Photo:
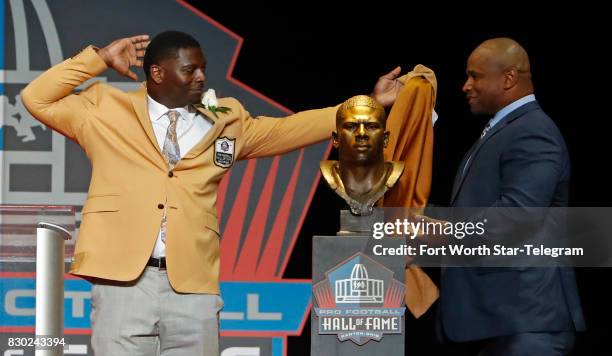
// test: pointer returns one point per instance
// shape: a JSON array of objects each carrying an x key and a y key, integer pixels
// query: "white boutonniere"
[{"x": 209, "y": 100}]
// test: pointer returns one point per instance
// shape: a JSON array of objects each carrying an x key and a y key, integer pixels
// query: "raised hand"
[
  {"x": 387, "y": 88},
  {"x": 124, "y": 53}
]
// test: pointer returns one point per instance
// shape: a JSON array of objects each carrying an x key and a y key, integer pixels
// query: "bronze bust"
[{"x": 361, "y": 176}]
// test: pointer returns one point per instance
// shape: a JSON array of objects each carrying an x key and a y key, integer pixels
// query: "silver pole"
[{"x": 50, "y": 285}]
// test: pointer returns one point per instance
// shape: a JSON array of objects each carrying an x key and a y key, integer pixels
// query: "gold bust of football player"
[{"x": 361, "y": 176}]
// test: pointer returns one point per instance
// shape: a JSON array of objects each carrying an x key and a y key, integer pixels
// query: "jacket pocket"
[{"x": 100, "y": 203}]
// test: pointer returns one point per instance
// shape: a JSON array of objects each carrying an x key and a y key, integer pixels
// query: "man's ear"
[
  {"x": 335, "y": 141},
  {"x": 156, "y": 73},
  {"x": 511, "y": 77},
  {"x": 386, "y": 139}
]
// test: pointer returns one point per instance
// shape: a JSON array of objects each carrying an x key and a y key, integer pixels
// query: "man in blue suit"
[{"x": 520, "y": 160}]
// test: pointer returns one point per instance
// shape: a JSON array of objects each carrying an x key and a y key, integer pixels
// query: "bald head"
[
  {"x": 506, "y": 53},
  {"x": 498, "y": 73}
]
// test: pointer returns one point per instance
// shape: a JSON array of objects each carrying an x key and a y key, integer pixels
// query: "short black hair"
[{"x": 166, "y": 45}]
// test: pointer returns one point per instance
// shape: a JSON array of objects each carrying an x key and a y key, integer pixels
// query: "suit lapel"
[
  {"x": 462, "y": 168},
  {"x": 472, "y": 154},
  {"x": 139, "y": 102},
  {"x": 211, "y": 135}
]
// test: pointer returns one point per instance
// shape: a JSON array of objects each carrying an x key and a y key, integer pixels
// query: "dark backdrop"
[{"x": 306, "y": 55}]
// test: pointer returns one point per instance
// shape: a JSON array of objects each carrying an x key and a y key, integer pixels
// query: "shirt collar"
[
  {"x": 158, "y": 110},
  {"x": 510, "y": 108}
]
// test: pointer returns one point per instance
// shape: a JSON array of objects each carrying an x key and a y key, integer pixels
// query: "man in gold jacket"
[{"x": 149, "y": 237}]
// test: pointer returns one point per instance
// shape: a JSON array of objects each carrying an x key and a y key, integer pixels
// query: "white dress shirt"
[{"x": 191, "y": 128}]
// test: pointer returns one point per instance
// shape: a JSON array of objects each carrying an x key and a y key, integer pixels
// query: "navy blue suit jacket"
[{"x": 521, "y": 162}]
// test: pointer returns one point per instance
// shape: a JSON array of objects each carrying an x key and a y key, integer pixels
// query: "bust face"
[{"x": 360, "y": 136}]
